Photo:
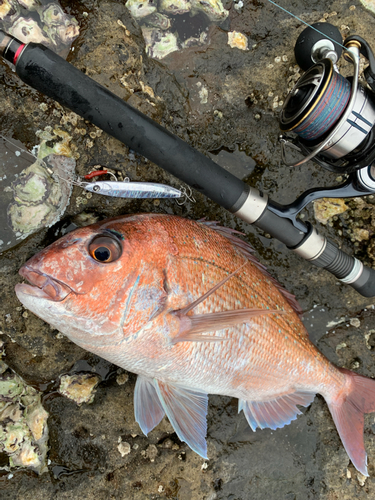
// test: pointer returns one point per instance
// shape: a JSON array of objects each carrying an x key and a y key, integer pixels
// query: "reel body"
[{"x": 333, "y": 117}]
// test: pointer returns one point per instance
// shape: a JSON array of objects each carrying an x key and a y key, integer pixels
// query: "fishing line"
[
  {"x": 18, "y": 147},
  {"x": 307, "y": 24}
]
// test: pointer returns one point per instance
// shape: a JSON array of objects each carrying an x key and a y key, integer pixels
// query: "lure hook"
[{"x": 187, "y": 196}]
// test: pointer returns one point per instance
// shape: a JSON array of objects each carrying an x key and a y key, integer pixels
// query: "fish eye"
[{"x": 105, "y": 249}]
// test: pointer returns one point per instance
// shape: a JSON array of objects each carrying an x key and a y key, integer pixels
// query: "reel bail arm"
[{"x": 367, "y": 52}]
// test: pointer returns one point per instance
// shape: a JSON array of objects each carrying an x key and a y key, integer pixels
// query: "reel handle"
[{"x": 311, "y": 40}]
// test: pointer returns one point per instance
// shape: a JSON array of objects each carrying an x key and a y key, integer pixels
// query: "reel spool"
[{"x": 333, "y": 117}]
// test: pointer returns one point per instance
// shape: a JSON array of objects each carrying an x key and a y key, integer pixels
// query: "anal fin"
[
  {"x": 185, "y": 408},
  {"x": 147, "y": 407},
  {"x": 187, "y": 412},
  {"x": 275, "y": 413}
]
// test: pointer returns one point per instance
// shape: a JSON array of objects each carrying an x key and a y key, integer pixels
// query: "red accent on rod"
[{"x": 16, "y": 55}]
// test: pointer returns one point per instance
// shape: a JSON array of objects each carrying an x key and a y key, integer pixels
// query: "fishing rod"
[{"x": 51, "y": 75}]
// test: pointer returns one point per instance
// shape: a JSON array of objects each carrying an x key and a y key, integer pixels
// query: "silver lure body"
[{"x": 120, "y": 189}]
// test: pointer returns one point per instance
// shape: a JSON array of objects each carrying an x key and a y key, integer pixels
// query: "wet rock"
[
  {"x": 305, "y": 460},
  {"x": 359, "y": 227}
]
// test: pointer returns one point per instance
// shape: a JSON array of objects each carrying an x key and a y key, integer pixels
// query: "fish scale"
[{"x": 187, "y": 307}]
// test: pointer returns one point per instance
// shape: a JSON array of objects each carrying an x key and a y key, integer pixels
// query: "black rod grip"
[
  {"x": 347, "y": 269},
  {"x": 365, "y": 284},
  {"x": 50, "y": 74}
]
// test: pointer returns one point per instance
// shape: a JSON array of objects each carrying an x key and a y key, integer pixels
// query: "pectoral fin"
[
  {"x": 192, "y": 327},
  {"x": 187, "y": 411},
  {"x": 147, "y": 407},
  {"x": 276, "y": 413}
]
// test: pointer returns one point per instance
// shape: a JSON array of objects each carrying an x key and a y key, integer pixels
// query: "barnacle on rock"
[
  {"x": 79, "y": 387},
  {"x": 39, "y": 199},
  {"x": 9, "y": 10},
  {"x": 156, "y": 16},
  {"x": 10, "y": 388},
  {"x": 52, "y": 14},
  {"x": 369, "y": 4},
  {"x": 141, "y": 8},
  {"x": 238, "y": 40},
  {"x": 158, "y": 20},
  {"x": 175, "y": 6},
  {"x": 325, "y": 208},
  {"x": 28, "y": 30},
  {"x": 159, "y": 43},
  {"x": 60, "y": 27},
  {"x": 23, "y": 424},
  {"x": 48, "y": 24},
  {"x": 30, "y": 4},
  {"x": 213, "y": 9}
]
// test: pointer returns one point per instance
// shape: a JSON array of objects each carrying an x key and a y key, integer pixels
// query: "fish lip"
[{"x": 42, "y": 285}]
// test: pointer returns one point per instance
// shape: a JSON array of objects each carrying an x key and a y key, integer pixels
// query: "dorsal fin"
[{"x": 247, "y": 250}]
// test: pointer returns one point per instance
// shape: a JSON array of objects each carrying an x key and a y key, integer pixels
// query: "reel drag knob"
[{"x": 311, "y": 46}]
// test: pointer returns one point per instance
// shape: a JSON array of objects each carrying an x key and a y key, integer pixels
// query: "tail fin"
[{"x": 348, "y": 415}]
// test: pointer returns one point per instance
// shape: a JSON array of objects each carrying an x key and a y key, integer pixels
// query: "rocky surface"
[{"x": 224, "y": 101}]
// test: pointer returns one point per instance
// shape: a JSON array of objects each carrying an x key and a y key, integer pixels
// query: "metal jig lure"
[{"x": 127, "y": 189}]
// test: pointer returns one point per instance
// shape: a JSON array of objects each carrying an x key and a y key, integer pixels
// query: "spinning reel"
[{"x": 333, "y": 117}]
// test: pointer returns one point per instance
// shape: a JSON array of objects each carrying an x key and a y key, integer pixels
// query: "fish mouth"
[{"x": 42, "y": 286}]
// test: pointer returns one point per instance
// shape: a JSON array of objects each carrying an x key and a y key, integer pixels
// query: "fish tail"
[{"x": 348, "y": 414}]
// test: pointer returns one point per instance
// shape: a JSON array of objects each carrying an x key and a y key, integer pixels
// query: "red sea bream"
[{"x": 187, "y": 307}]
